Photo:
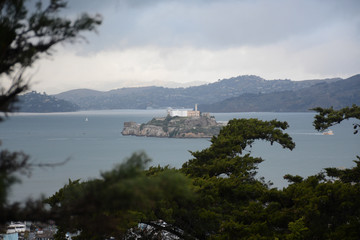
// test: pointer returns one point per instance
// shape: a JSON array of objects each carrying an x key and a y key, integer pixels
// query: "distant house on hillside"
[{"x": 184, "y": 113}]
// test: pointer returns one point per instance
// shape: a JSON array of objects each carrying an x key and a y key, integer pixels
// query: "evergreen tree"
[
  {"x": 121, "y": 199},
  {"x": 328, "y": 117},
  {"x": 24, "y": 37},
  {"x": 215, "y": 195}
]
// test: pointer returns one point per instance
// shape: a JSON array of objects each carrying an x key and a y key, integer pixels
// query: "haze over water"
[{"x": 97, "y": 145}]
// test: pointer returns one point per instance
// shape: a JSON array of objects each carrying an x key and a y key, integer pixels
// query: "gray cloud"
[
  {"x": 216, "y": 23},
  {"x": 205, "y": 40}
]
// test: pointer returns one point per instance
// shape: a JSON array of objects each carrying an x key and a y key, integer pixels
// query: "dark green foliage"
[
  {"x": 293, "y": 179},
  {"x": 224, "y": 154},
  {"x": 24, "y": 37},
  {"x": 10, "y": 164},
  {"x": 328, "y": 209},
  {"x": 121, "y": 199},
  {"x": 329, "y": 117},
  {"x": 230, "y": 196},
  {"x": 346, "y": 175}
]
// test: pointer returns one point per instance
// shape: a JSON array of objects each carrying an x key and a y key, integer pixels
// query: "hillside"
[
  {"x": 175, "y": 127},
  {"x": 337, "y": 94},
  {"x": 37, "y": 102},
  {"x": 160, "y": 97}
]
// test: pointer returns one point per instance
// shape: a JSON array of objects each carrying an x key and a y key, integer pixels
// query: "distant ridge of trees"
[
  {"x": 337, "y": 94},
  {"x": 239, "y": 94},
  {"x": 42, "y": 103},
  {"x": 160, "y": 97}
]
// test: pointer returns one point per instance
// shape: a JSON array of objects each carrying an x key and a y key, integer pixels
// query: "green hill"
[
  {"x": 160, "y": 97},
  {"x": 338, "y": 94},
  {"x": 37, "y": 102}
]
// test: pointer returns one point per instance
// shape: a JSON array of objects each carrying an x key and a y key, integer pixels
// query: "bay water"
[{"x": 93, "y": 143}]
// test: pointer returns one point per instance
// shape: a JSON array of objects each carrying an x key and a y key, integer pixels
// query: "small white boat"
[
  {"x": 86, "y": 119},
  {"x": 328, "y": 132}
]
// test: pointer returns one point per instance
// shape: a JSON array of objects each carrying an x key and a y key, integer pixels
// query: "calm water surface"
[{"x": 97, "y": 145}]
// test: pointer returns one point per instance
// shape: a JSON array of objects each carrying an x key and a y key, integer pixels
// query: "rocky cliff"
[{"x": 175, "y": 127}]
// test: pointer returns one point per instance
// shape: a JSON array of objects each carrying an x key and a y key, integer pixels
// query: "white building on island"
[{"x": 184, "y": 113}]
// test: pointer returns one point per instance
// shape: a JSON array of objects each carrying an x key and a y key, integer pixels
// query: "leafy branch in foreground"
[
  {"x": 230, "y": 204},
  {"x": 25, "y": 37},
  {"x": 328, "y": 117},
  {"x": 120, "y": 200}
]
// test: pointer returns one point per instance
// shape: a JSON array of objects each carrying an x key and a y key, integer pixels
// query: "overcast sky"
[{"x": 205, "y": 40}]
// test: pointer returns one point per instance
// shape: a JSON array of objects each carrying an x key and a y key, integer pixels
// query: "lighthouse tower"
[{"x": 194, "y": 113}]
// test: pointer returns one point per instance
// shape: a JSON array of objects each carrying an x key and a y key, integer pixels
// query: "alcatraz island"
[{"x": 177, "y": 124}]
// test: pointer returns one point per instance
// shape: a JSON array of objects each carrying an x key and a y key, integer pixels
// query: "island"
[{"x": 177, "y": 124}]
